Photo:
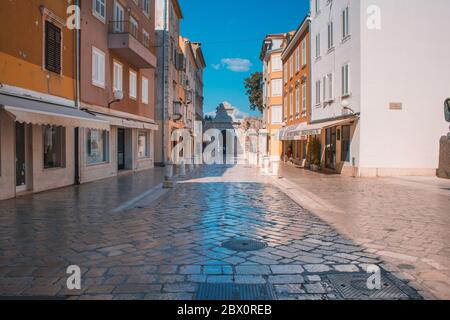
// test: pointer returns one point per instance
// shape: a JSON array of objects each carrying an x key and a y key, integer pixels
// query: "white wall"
[
  {"x": 347, "y": 51},
  {"x": 407, "y": 61}
]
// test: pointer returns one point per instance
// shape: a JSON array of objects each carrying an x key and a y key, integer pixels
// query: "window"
[
  {"x": 330, "y": 35},
  {"x": 277, "y": 114},
  {"x": 329, "y": 89},
  {"x": 345, "y": 80},
  {"x": 291, "y": 67},
  {"x": 52, "y": 47},
  {"x": 291, "y": 105},
  {"x": 317, "y": 6},
  {"x": 324, "y": 93},
  {"x": 134, "y": 27},
  {"x": 54, "y": 147},
  {"x": 304, "y": 52},
  {"x": 96, "y": 147},
  {"x": 98, "y": 67},
  {"x": 133, "y": 84},
  {"x": 318, "y": 45},
  {"x": 285, "y": 72},
  {"x": 146, "y": 6},
  {"x": 277, "y": 89},
  {"x": 143, "y": 148},
  {"x": 345, "y": 23},
  {"x": 318, "y": 96},
  {"x": 117, "y": 77},
  {"x": 297, "y": 59},
  {"x": 144, "y": 90},
  {"x": 98, "y": 9},
  {"x": 297, "y": 102},
  {"x": 276, "y": 63},
  {"x": 145, "y": 39},
  {"x": 304, "y": 100},
  {"x": 345, "y": 141},
  {"x": 119, "y": 17},
  {"x": 285, "y": 107}
]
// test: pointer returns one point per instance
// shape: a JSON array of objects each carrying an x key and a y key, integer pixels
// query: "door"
[
  {"x": 121, "y": 149},
  {"x": 21, "y": 174},
  {"x": 118, "y": 18},
  {"x": 331, "y": 148}
]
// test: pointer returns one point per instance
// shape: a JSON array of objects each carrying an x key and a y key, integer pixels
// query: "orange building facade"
[
  {"x": 39, "y": 109},
  {"x": 296, "y": 94},
  {"x": 271, "y": 52}
]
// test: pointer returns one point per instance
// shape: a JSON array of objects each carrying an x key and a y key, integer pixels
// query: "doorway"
[
  {"x": 330, "y": 161},
  {"x": 21, "y": 158},
  {"x": 121, "y": 149}
]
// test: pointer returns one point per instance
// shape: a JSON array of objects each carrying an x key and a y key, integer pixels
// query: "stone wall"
[{"x": 444, "y": 158}]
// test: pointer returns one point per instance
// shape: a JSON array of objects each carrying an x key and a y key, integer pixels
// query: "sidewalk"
[
  {"x": 95, "y": 197},
  {"x": 404, "y": 220}
]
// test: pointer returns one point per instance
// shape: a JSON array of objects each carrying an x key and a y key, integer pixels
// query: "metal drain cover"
[
  {"x": 244, "y": 245},
  {"x": 354, "y": 286},
  {"x": 233, "y": 291}
]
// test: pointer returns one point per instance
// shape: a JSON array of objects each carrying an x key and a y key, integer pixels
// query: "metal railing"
[{"x": 127, "y": 27}]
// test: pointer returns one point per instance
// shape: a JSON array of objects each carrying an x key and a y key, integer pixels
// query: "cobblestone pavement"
[
  {"x": 166, "y": 250},
  {"x": 405, "y": 221}
]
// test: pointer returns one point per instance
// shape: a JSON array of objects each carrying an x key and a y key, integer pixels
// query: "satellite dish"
[{"x": 118, "y": 95}]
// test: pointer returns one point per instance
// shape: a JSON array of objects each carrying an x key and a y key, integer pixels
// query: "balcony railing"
[
  {"x": 126, "y": 26},
  {"x": 131, "y": 43}
]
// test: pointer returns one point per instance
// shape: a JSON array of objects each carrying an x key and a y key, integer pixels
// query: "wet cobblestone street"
[{"x": 168, "y": 249}]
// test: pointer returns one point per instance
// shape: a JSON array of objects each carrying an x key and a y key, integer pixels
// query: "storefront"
[
  {"x": 41, "y": 137},
  {"x": 126, "y": 147},
  {"x": 322, "y": 145}
]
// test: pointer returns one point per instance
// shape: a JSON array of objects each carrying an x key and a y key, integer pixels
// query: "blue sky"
[{"x": 231, "y": 32}]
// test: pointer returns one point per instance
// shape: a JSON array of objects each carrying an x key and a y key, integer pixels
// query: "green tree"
[{"x": 254, "y": 91}]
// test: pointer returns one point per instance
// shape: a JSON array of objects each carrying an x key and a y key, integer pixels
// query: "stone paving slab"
[
  {"x": 403, "y": 220},
  {"x": 166, "y": 251}
]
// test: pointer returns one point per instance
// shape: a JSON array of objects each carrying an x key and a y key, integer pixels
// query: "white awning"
[
  {"x": 303, "y": 130},
  {"x": 128, "y": 123},
  {"x": 43, "y": 113}
]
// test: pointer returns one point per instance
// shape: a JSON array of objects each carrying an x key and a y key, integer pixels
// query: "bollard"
[
  {"x": 276, "y": 167},
  {"x": 182, "y": 169},
  {"x": 168, "y": 175},
  {"x": 266, "y": 165}
]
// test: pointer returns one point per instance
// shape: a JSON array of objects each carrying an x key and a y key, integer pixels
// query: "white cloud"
[{"x": 237, "y": 64}]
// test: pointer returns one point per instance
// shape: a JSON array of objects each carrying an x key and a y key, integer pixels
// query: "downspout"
[
  {"x": 163, "y": 79},
  {"x": 77, "y": 93}
]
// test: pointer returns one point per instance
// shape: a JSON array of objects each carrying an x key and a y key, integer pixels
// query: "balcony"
[{"x": 131, "y": 44}]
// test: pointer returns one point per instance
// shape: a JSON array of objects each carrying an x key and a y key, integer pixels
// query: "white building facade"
[{"x": 380, "y": 75}]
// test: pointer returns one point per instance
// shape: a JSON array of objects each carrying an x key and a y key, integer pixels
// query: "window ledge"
[
  {"x": 345, "y": 96},
  {"x": 318, "y": 58},
  {"x": 99, "y": 17},
  {"x": 346, "y": 38},
  {"x": 330, "y": 50}
]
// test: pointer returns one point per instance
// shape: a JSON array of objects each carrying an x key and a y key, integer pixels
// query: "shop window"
[
  {"x": 96, "y": 147},
  {"x": 345, "y": 150},
  {"x": 143, "y": 147},
  {"x": 54, "y": 147}
]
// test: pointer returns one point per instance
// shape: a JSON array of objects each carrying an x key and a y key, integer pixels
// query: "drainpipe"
[
  {"x": 77, "y": 95},
  {"x": 163, "y": 80}
]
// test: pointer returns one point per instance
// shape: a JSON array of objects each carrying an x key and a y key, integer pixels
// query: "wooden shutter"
[{"x": 52, "y": 47}]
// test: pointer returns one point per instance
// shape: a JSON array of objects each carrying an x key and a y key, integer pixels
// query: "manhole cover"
[
  {"x": 354, "y": 286},
  {"x": 233, "y": 291},
  {"x": 244, "y": 245}
]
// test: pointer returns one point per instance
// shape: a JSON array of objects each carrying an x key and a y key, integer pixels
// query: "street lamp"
[
  {"x": 118, "y": 96},
  {"x": 447, "y": 109}
]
